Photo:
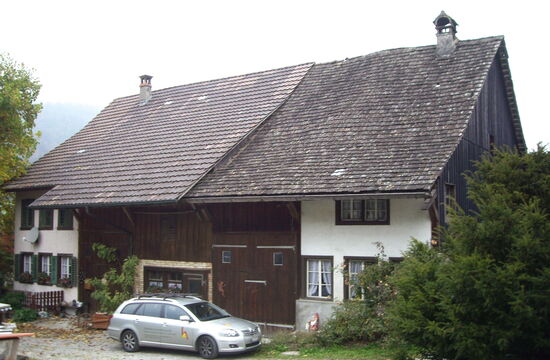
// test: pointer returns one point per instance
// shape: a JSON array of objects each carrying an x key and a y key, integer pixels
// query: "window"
[
  {"x": 278, "y": 259},
  {"x": 130, "y": 308},
  {"x": 27, "y": 263},
  {"x": 319, "y": 278},
  {"x": 27, "y": 214},
  {"x": 153, "y": 310},
  {"x": 45, "y": 219},
  {"x": 175, "y": 280},
  {"x": 174, "y": 312},
  {"x": 226, "y": 257},
  {"x": 64, "y": 267},
  {"x": 363, "y": 212},
  {"x": 65, "y": 219},
  {"x": 355, "y": 266},
  {"x": 45, "y": 263},
  {"x": 155, "y": 279},
  {"x": 450, "y": 202},
  {"x": 170, "y": 280}
]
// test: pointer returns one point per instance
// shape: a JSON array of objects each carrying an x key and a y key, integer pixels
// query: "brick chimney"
[
  {"x": 145, "y": 89},
  {"x": 446, "y": 35}
]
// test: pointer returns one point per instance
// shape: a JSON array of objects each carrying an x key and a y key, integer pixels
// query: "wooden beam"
[
  {"x": 293, "y": 211},
  {"x": 129, "y": 216}
]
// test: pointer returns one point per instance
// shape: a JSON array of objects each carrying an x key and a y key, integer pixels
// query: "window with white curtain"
[
  {"x": 319, "y": 278},
  {"x": 27, "y": 261},
  {"x": 65, "y": 267}
]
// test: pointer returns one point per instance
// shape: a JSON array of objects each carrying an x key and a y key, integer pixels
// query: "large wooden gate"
[{"x": 255, "y": 275}]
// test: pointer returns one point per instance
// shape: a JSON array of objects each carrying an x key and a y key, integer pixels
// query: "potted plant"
[
  {"x": 65, "y": 282},
  {"x": 26, "y": 277},
  {"x": 43, "y": 278}
]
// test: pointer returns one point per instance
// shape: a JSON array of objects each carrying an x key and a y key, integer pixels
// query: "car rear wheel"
[
  {"x": 207, "y": 347},
  {"x": 129, "y": 341}
]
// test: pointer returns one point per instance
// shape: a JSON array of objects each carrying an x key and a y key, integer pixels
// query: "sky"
[{"x": 91, "y": 52}]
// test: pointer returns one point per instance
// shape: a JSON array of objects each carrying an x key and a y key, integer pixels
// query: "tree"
[
  {"x": 18, "y": 111},
  {"x": 486, "y": 295}
]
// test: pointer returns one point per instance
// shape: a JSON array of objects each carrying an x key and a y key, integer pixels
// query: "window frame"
[
  {"x": 282, "y": 258},
  {"x": 341, "y": 221},
  {"x": 305, "y": 276},
  {"x": 43, "y": 215},
  {"x": 23, "y": 255},
  {"x": 60, "y": 258},
  {"x": 27, "y": 215},
  {"x": 230, "y": 256},
  {"x": 41, "y": 257},
  {"x": 60, "y": 225},
  {"x": 367, "y": 260}
]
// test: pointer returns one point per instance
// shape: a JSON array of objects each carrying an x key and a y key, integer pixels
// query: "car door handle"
[
  {"x": 136, "y": 321},
  {"x": 164, "y": 324}
]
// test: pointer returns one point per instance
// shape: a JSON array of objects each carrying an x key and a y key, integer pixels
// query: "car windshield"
[{"x": 205, "y": 311}]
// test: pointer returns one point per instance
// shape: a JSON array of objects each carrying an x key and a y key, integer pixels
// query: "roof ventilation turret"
[
  {"x": 145, "y": 89},
  {"x": 446, "y": 34}
]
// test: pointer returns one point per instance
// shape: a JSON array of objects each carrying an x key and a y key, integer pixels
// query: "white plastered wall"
[
  {"x": 321, "y": 237},
  {"x": 50, "y": 241}
]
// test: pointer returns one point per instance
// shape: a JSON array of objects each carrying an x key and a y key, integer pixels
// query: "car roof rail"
[{"x": 166, "y": 296}]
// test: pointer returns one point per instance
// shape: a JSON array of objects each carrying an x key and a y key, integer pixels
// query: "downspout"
[{"x": 129, "y": 233}]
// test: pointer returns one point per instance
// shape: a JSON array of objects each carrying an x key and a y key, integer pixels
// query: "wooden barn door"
[{"x": 255, "y": 279}]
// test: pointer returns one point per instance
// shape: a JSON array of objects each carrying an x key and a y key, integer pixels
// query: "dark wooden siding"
[
  {"x": 177, "y": 234},
  {"x": 491, "y": 119},
  {"x": 251, "y": 286}
]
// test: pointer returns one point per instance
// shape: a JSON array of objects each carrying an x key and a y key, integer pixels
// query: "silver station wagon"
[{"x": 184, "y": 322}]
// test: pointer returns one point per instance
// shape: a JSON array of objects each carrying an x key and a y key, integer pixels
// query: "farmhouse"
[{"x": 261, "y": 191}]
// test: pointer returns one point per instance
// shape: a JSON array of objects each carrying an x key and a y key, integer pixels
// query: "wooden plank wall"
[
  {"x": 190, "y": 240},
  {"x": 491, "y": 117}
]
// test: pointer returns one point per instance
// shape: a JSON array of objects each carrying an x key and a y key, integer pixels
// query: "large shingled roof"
[
  {"x": 133, "y": 154},
  {"x": 385, "y": 122}
]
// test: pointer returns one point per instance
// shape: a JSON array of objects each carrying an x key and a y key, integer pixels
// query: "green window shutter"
[
  {"x": 73, "y": 270},
  {"x": 53, "y": 270},
  {"x": 34, "y": 267},
  {"x": 17, "y": 266}
]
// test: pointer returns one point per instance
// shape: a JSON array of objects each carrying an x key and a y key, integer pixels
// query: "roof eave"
[{"x": 424, "y": 194}]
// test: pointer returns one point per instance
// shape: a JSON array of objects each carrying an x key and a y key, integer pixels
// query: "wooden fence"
[{"x": 44, "y": 300}]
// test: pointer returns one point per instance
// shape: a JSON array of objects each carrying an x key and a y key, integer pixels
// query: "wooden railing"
[{"x": 44, "y": 300}]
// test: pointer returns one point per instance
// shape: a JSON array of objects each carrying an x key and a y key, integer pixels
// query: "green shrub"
[
  {"x": 485, "y": 296},
  {"x": 363, "y": 319},
  {"x": 24, "y": 315},
  {"x": 115, "y": 286},
  {"x": 15, "y": 299}
]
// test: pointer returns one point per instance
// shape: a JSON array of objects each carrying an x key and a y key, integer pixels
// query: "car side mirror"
[{"x": 185, "y": 318}]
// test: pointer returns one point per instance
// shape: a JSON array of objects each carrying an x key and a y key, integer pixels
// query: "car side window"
[
  {"x": 130, "y": 309},
  {"x": 154, "y": 310},
  {"x": 174, "y": 312}
]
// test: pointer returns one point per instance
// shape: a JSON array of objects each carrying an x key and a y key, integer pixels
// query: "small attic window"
[{"x": 81, "y": 151}]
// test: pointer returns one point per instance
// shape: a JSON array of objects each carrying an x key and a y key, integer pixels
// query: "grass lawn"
[{"x": 368, "y": 352}]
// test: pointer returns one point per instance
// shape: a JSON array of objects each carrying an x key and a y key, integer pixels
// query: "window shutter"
[
  {"x": 73, "y": 271},
  {"x": 34, "y": 267},
  {"x": 53, "y": 270},
  {"x": 17, "y": 266}
]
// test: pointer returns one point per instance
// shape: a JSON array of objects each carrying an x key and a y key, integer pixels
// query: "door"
[
  {"x": 148, "y": 322},
  {"x": 179, "y": 333}
]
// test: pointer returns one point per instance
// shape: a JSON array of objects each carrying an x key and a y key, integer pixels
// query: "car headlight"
[{"x": 229, "y": 333}]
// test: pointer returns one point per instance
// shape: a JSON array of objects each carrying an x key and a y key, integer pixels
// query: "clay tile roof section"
[
  {"x": 154, "y": 153},
  {"x": 384, "y": 122}
]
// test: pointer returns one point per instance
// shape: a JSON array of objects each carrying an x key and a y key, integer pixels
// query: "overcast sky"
[{"x": 91, "y": 52}]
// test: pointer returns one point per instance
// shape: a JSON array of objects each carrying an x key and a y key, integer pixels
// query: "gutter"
[
  {"x": 266, "y": 198},
  {"x": 105, "y": 221}
]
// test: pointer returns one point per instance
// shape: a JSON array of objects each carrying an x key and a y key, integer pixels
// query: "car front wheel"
[
  {"x": 129, "y": 341},
  {"x": 207, "y": 347}
]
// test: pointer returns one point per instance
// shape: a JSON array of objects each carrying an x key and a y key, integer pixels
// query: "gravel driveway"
[{"x": 62, "y": 339}]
